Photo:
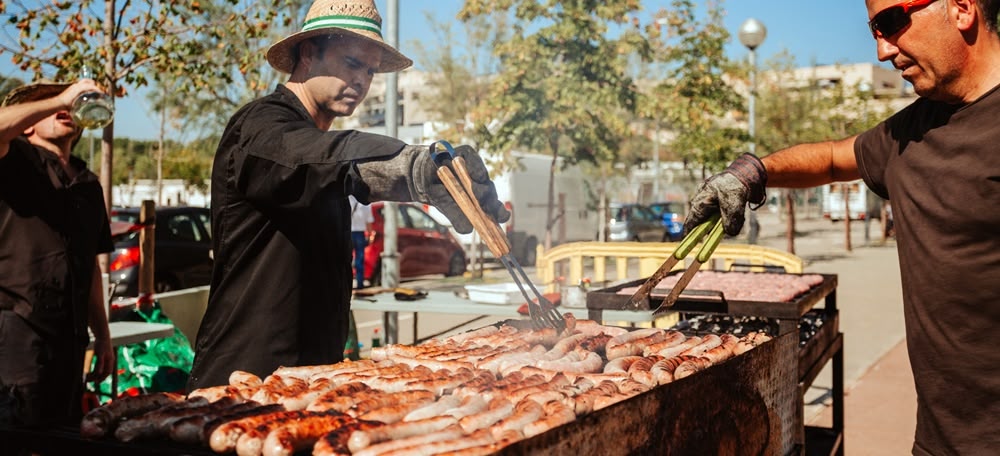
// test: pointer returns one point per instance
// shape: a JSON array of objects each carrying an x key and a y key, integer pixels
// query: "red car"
[{"x": 425, "y": 246}]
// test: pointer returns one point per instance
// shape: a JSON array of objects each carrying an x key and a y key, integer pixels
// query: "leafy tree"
[
  {"x": 794, "y": 109},
  {"x": 562, "y": 88},
  {"x": 695, "y": 96},
  {"x": 458, "y": 76},
  {"x": 133, "y": 42}
]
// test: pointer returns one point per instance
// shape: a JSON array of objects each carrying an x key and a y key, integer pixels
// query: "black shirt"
[
  {"x": 51, "y": 230},
  {"x": 940, "y": 166},
  {"x": 281, "y": 284}
]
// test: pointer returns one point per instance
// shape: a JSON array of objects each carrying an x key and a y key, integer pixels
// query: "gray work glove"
[
  {"x": 729, "y": 192},
  {"x": 420, "y": 183}
]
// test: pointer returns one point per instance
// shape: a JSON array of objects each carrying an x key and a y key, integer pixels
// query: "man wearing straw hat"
[
  {"x": 280, "y": 292},
  {"x": 52, "y": 227}
]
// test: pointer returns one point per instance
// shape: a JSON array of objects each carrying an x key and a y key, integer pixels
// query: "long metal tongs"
[
  {"x": 455, "y": 177},
  {"x": 713, "y": 229}
]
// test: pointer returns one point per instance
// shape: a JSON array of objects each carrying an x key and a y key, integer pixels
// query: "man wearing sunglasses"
[{"x": 938, "y": 161}]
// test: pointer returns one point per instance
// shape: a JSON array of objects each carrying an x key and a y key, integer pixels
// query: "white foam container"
[{"x": 499, "y": 293}]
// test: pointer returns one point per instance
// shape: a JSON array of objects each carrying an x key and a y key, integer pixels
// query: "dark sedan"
[{"x": 182, "y": 252}]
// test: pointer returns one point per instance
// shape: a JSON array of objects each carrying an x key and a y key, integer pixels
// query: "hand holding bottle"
[{"x": 94, "y": 108}]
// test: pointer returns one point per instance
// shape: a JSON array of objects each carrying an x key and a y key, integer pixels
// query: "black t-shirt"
[
  {"x": 939, "y": 164},
  {"x": 281, "y": 223},
  {"x": 51, "y": 230}
]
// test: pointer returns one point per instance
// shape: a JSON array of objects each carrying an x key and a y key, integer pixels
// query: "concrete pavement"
[{"x": 880, "y": 400}]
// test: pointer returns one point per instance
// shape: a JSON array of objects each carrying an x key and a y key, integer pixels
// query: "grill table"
[
  {"x": 743, "y": 406},
  {"x": 825, "y": 346}
]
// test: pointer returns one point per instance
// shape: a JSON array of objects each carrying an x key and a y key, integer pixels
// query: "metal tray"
[{"x": 715, "y": 301}]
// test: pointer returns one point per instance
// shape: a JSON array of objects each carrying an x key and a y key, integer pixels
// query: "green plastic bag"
[{"x": 155, "y": 365}]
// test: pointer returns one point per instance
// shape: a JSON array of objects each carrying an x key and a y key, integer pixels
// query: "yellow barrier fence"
[{"x": 570, "y": 260}]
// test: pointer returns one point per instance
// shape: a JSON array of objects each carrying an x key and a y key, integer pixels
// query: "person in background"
[
  {"x": 281, "y": 286},
  {"x": 937, "y": 161},
  {"x": 361, "y": 228},
  {"x": 53, "y": 225}
]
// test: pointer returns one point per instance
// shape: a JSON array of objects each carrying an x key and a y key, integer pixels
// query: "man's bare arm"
[{"x": 811, "y": 165}]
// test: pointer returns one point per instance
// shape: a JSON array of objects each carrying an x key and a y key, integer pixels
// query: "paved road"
[{"x": 868, "y": 295}]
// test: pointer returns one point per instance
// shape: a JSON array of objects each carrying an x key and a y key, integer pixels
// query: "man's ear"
[
  {"x": 307, "y": 54},
  {"x": 29, "y": 131},
  {"x": 964, "y": 12}
]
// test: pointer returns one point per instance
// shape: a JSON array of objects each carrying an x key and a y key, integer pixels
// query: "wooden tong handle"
[
  {"x": 473, "y": 212},
  {"x": 458, "y": 164}
]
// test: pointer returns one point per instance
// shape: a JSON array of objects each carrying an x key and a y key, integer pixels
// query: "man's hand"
[
  {"x": 68, "y": 96},
  {"x": 729, "y": 192},
  {"x": 432, "y": 190},
  {"x": 105, "y": 360}
]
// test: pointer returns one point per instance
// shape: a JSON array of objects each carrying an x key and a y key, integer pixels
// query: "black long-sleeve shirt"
[{"x": 280, "y": 292}]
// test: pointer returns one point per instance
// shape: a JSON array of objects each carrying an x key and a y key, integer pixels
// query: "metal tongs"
[
  {"x": 713, "y": 228},
  {"x": 453, "y": 173}
]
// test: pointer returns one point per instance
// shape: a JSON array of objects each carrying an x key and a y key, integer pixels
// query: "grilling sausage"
[
  {"x": 362, "y": 439},
  {"x": 302, "y": 433},
  {"x": 454, "y": 444},
  {"x": 707, "y": 343},
  {"x": 682, "y": 347},
  {"x": 157, "y": 422},
  {"x": 632, "y": 343},
  {"x": 498, "y": 409},
  {"x": 395, "y": 412},
  {"x": 226, "y": 437},
  {"x": 334, "y": 443},
  {"x": 448, "y": 433},
  {"x": 435, "y": 408},
  {"x": 103, "y": 420},
  {"x": 673, "y": 338},
  {"x": 556, "y": 414},
  {"x": 194, "y": 430}
]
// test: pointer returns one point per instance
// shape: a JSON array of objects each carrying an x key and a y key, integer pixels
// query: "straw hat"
[
  {"x": 33, "y": 92},
  {"x": 343, "y": 17}
]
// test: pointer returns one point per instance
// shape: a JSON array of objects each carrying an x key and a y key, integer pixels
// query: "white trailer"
[{"x": 862, "y": 203}]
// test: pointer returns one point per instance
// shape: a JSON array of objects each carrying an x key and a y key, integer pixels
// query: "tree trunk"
[
  {"x": 790, "y": 233},
  {"x": 846, "y": 191},
  {"x": 108, "y": 135},
  {"x": 550, "y": 207}
]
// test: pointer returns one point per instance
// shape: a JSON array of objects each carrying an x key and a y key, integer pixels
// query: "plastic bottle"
[{"x": 376, "y": 340}]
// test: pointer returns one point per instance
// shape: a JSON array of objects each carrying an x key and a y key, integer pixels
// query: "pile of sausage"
[
  {"x": 742, "y": 286},
  {"x": 472, "y": 393}
]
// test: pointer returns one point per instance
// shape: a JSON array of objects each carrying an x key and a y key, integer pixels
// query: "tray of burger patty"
[
  {"x": 496, "y": 389},
  {"x": 762, "y": 294}
]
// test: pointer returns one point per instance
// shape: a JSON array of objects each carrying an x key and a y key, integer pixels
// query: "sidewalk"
[
  {"x": 880, "y": 401},
  {"x": 880, "y": 413}
]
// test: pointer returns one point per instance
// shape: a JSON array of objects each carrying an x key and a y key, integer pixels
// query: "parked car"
[
  {"x": 634, "y": 222},
  {"x": 425, "y": 246},
  {"x": 182, "y": 251},
  {"x": 671, "y": 213}
]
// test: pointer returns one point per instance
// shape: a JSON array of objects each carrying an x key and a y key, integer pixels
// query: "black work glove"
[
  {"x": 729, "y": 192},
  {"x": 429, "y": 188},
  {"x": 411, "y": 175}
]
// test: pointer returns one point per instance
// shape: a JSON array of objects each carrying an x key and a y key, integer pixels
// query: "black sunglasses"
[{"x": 891, "y": 20}]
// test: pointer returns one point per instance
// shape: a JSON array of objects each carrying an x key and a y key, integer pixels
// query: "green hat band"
[{"x": 346, "y": 22}]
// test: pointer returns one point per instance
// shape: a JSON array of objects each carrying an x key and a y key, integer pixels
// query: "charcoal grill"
[
  {"x": 744, "y": 406},
  {"x": 826, "y": 345}
]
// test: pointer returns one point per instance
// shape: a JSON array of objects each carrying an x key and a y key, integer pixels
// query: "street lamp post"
[
  {"x": 660, "y": 22},
  {"x": 752, "y": 34}
]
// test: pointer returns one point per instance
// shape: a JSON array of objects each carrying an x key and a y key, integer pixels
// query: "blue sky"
[{"x": 815, "y": 32}]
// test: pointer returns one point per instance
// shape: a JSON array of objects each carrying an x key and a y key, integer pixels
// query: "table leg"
[
  {"x": 390, "y": 323},
  {"x": 114, "y": 373}
]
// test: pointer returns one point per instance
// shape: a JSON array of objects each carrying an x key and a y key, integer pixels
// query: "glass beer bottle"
[{"x": 92, "y": 109}]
